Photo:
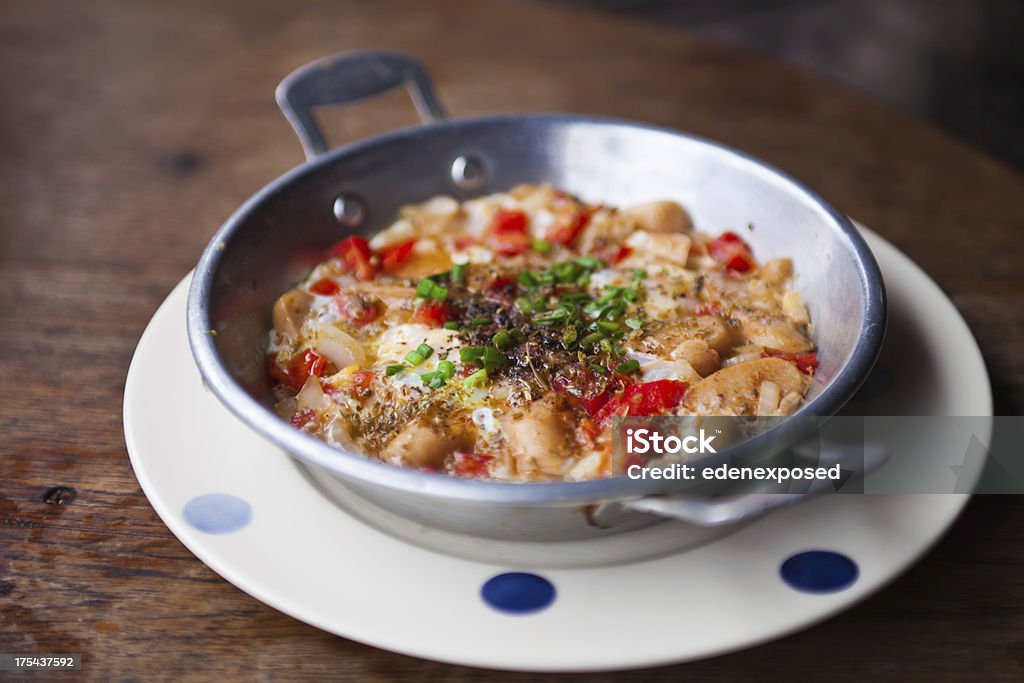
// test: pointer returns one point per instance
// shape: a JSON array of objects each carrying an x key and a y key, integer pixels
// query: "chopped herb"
[
  {"x": 393, "y": 370},
  {"x": 639, "y": 274},
  {"x": 493, "y": 359},
  {"x": 475, "y": 380},
  {"x": 418, "y": 355},
  {"x": 451, "y": 326},
  {"x": 459, "y": 273},
  {"x": 476, "y": 322},
  {"x": 627, "y": 367},
  {"x": 439, "y": 377},
  {"x": 503, "y": 340},
  {"x": 549, "y": 317},
  {"x": 569, "y": 336},
  {"x": 428, "y": 289},
  {"x": 487, "y": 356},
  {"x": 527, "y": 279},
  {"x": 615, "y": 311},
  {"x": 567, "y": 271},
  {"x": 630, "y": 295},
  {"x": 590, "y": 262},
  {"x": 634, "y": 323},
  {"x": 601, "y": 370},
  {"x": 541, "y": 245},
  {"x": 607, "y": 326},
  {"x": 591, "y": 339}
]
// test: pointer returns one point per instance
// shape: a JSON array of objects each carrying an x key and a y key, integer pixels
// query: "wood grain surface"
[{"x": 130, "y": 130}]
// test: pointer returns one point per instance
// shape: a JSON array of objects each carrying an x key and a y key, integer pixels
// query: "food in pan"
[{"x": 498, "y": 337}]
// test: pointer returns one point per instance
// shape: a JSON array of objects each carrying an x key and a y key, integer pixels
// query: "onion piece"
[
  {"x": 743, "y": 357},
  {"x": 311, "y": 396},
  {"x": 338, "y": 347},
  {"x": 768, "y": 401}
]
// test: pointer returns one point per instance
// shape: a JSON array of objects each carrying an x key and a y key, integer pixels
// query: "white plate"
[{"x": 247, "y": 510}]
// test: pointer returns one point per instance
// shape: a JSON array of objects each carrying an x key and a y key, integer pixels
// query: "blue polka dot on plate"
[
  {"x": 819, "y": 571},
  {"x": 518, "y": 592},
  {"x": 217, "y": 513}
]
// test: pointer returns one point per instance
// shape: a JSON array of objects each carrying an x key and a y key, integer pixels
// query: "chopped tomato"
[
  {"x": 583, "y": 393},
  {"x": 359, "y": 382},
  {"x": 363, "y": 378},
  {"x": 431, "y": 313},
  {"x": 806, "y": 363},
  {"x": 308, "y": 364},
  {"x": 708, "y": 308},
  {"x": 463, "y": 242},
  {"x": 325, "y": 286},
  {"x": 621, "y": 255},
  {"x": 397, "y": 254},
  {"x": 566, "y": 233},
  {"x": 471, "y": 465},
  {"x": 357, "y": 309},
  {"x": 730, "y": 250},
  {"x": 299, "y": 368},
  {"x": 507, "y": 234},
  {"x": 302, "y": 418},
  {"x": 355, "y": 254},
  {"x": 648, "y": 398}
]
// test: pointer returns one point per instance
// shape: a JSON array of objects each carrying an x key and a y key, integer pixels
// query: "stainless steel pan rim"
[{"x": 377, "y": 474}]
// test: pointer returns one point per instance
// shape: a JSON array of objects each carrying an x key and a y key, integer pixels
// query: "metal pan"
[{"x": 277, "y": 235}]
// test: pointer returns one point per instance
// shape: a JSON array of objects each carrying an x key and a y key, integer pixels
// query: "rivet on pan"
[
  {"x": 349, "y": 210},
  {"x": 468, "y": 172}
]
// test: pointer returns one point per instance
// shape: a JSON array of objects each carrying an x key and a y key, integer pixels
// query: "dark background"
[{"x": 957, "y": 63}]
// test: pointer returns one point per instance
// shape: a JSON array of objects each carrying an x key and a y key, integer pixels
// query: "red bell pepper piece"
[
  {"x": 431, "y": 313},
  {"x": 394, "y": 256},
  {"x": 583, "y": 392},
  {"x": 302, "y": 418},
  {"x": 471, "y": 465},
  {"x": 621, "y": 255},
  {"x": 357, "y": 309},
  {"x": 355, "y": 253},
  {"x": 730, "y": 250},
  {"x": 325, "y": 286},
  {"x": 806, "y": 363},
  {"x": 507, "y": 233},
  {"x": 649, "y": 398},
  {"x": 708, "y": 308},
  {"x": 300, "y": 368},
  {"x": 567, "y": 233}
]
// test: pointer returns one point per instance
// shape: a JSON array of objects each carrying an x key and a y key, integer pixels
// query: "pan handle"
[{"x": 348, "y": 77}]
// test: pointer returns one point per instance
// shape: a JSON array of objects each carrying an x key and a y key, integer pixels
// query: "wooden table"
[{"x": 131, "y": 130}]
